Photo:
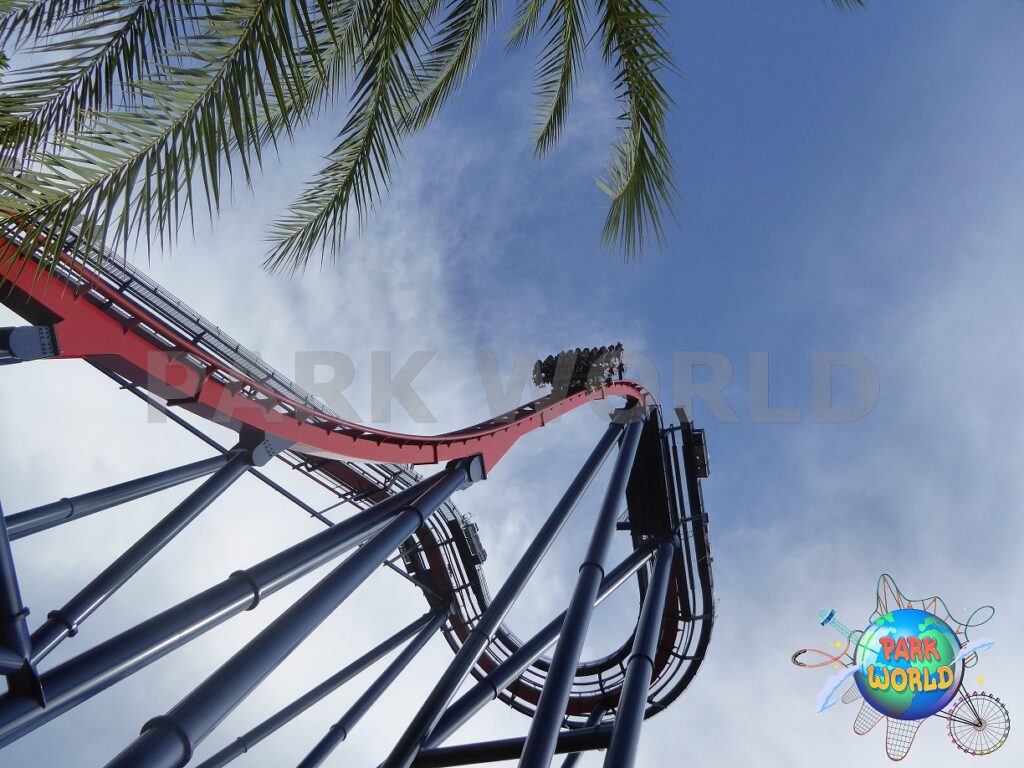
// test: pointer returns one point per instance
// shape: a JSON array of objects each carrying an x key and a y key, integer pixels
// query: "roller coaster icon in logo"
[{"x": 907, "y": 666}]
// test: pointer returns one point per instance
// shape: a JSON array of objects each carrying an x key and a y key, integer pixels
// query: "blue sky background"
[{"x": 849, "y": 182}]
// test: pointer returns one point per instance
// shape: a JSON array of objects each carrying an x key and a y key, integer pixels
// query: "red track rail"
[{"x": 95, "y": 322}]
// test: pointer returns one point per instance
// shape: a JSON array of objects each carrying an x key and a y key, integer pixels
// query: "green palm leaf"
[
  {"x": 24, "y": 19},
  {"x": 360, "y": 165},
  {"x": 639, "y": 180},
  {"x": 134, "y": 170},
  {"x": 556, "y": 71},
  {"x": 526, "y": 17},
  {"x": 101, "y": 55},
  {"x": 450, "y": 57}
]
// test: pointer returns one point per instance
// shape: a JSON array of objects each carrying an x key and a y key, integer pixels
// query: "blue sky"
[{"x": 849, "y": 182}]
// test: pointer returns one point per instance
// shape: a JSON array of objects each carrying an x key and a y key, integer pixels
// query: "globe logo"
[{"x": 906, "y": 665}]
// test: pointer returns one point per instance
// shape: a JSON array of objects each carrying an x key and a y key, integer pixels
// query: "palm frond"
[
  {"x": 326, "y": 61},
  {"x": 24, "y": 19},
  {"x": 360, "y": 165},
  {"x": 559, "y": 61},
  {"x": 9, "y": 127},
  {"x": 95, "y": 60},
  {"x": 450, "y": 57},
  {"x": 525, "y": 22},
  {"x": 134, "y": 170},
  {"x": 639, "y": 180}
]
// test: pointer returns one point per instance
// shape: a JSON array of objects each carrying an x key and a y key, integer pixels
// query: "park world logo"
[{"x": 909, "y": 666}]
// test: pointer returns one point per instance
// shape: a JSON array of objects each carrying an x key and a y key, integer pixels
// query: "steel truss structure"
[{"x": 106, "y": 312}]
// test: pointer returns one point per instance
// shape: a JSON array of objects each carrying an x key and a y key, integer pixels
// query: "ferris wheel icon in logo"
[{"x": 908, "y": 665}]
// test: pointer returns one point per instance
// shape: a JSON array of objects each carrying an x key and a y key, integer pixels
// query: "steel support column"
[
  {"x": 426, "y": 718},
  {"x": 341, "y": 729},
  {"x": 573, "y": 758},
  {"x": 92, "y": 671},
  {"x": 64, "y": 622},
  {"x": 10, "y": 661},
  {"x": 509, "y": 749},
  {"x": 629, "y": 716},
  {"x": 254, "y": 736},
  {"x": 547, "y": 720},
  {"x": 15, "y": 643},
  {"x": 504, "y": 674},
  {"x": 59, "y": 512},
  {"x": 167, "y": 741}
]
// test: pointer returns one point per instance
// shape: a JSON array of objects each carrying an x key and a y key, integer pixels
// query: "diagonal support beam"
[
  {"x": 57, "y": 513},
  {"x": 426, "y": 718},
  {"x": 64, "y": 622},
  {"x": 640, "y": 668},
  {"x": 255, "y": 735},
  {"x": 341, "y": 729},
  {"x": 487, "y": 689},
  {"x": 543, "y": 735},
  {"x": 167, "y": 741},
  {"x": 69, "y": 684}
]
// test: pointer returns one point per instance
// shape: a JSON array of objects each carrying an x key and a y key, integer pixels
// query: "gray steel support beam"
[
  {"x": 167, "y": 741},
  {"x": 509, "y": 749},
  {"x": 254, "y": 736},
  {"x": 573, "y": 758},
  {"x": 426, "y": 718},
  {"x": 76, "y": 680},
  {"x": 547, "y": 720},
  {"x": 10, "y": 662},
  {"x": 59, "y": 512},
  {"x": 629, "y": 716},
  {"x": 487, "y": 689},
  {"x": 341, "y": 729},
  {"x": 64, "y": 622},
  {"x": 15, "y": 642}
]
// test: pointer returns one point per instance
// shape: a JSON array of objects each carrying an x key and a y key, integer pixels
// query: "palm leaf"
[
  {"x": 450, "y": 57},
  {"x": 325, "y": 62},
  {"x": 133, "y": 107},
  {"x": 99, "y": 56},
  {"x": 525, "y": 22},
  {"x": 639, "y": 180},
  {"x": 134, "y": 170},
  {"x": 560, "y": 59},
  {"x": 360, "y": 165},
  {"x": 24, "y": 19}
]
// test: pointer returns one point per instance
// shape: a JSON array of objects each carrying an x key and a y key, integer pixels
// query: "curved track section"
[
  {"x": 110, "y": 314},
  {"x": 116, "y": 316}
]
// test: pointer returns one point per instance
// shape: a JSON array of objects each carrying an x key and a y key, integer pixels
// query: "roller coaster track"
[{"x": 97, "y": 307}]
